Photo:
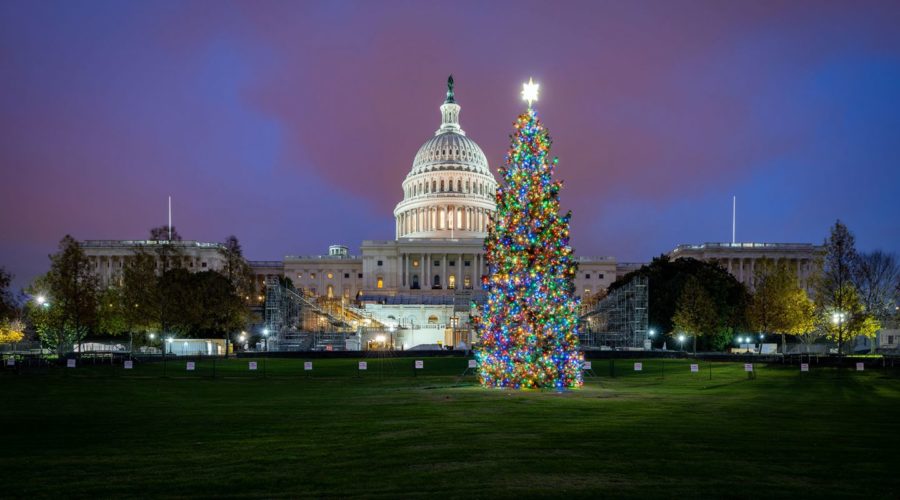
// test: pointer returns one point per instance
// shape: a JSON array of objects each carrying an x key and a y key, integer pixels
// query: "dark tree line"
[{"x": 154, "y": 294}]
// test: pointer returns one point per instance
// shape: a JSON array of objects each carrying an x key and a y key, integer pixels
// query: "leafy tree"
[
  {"x": 8, "y": 307},
  {"x": 140, "y": 292},
  {"x": 849, "y": 321},
  {"x": 236, "y": 268},
  {"x": 666, "y": 280},
  {"x": 877, "y": 278},
  {"x": 111, "y": 312},
  {"x": 836, "y": 293},
  {"x": 778, "y": 304},
  {"x": 803, "y": 311},
  {"x": 72, "y": 290},
  {"x": 695, "y": 312},
  {"x": 161, "y": 233},
  {"x": 11, "y": 331}
]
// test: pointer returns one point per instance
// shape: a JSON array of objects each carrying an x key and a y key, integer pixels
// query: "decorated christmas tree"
[{"x": 528, "y": 329}]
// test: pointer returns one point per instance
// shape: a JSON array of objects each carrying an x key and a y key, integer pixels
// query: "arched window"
[
  {"x": 442, "y": 185},
  {"x": 451, "y": 282},
  {"x": 379, "y": 283},
  {"x": 458, "y": 185},
  {"x": 329, "y": 291},
  {"x": 433, "y": 186},
  {"x": 415, "y": 282},
  {"x": 437, "y": 281},
  {"x": 432, "y": 320}
]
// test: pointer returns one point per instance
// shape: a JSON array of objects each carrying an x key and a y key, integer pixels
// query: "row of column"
[
  {"x": 426, "y": 271},
  {"x": 443, "y": 218},
  {"x": 744, "y": 268}
]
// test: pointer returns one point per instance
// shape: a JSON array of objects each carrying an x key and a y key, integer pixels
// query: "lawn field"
[{"x": 101, "y": 431}]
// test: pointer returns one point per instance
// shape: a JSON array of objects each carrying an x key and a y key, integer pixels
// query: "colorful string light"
[{"x": 528, "y": 328}]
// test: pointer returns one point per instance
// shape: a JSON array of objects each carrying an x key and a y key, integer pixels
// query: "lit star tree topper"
[{"x": 527, "y": 330}]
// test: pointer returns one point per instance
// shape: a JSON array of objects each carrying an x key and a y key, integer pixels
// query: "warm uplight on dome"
[{"x": 530, "y": 91}]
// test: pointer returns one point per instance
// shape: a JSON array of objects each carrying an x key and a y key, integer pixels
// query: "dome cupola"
[{"x": 449, "y": 193}]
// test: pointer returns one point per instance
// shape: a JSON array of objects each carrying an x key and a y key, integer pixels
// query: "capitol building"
[{"x": 426, "y": 277}]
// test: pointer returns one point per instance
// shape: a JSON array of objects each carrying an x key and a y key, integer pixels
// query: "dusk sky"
[{"x": 292, "y": 125}]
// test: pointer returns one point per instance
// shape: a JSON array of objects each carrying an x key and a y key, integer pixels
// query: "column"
[
  {"x": 444, "y": 277},
  {"x": 741, "y": 263}
]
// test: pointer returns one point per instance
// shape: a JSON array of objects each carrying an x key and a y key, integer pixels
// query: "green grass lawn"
[{"x": 104, "y": 432}]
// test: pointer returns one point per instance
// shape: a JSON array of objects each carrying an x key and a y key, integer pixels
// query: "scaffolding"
[
  {"x": 619, "y": 320},
  {"x": 300, "y": 322}
]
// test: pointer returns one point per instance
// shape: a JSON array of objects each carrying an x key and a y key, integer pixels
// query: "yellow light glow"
[{"x": 530, "y": 91}]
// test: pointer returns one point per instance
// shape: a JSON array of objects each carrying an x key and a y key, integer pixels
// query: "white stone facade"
[
  {"x": 740, "y": 258},
  {"x": 108, "y": 257}
]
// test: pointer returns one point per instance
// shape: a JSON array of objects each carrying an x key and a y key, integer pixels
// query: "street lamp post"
[
  {"x": 265, "y": 333},
  {"x": 681, "y": 342}
]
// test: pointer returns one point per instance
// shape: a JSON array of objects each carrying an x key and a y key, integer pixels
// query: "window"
[
  {"x": 380, "y": 262},
  {"x": 599, "y": 276},
  {"x": 467, "y": 282},
  {"x": 346, "y": 275},
  {"x": 587, "y": 291},
  {"x": 379, "y": 283},
  {"x": 452, "y": 263},
  {"x": 415, "y": 282},
  {"x": 437, "y": 263},
  {"x": 467, "y": 263},
  {"x": 415, "y": 263},
  {"x": 432, "y": 320},
  {"x": 890, "y": 339},
  {"x": 587, "y": 276},
  {"x": 312, "y": 275},
  {"x": 451, "y": 282},
  {"x": 299, "y": 275},
  {"x": 329, "y": 291},
  {"x": 203, "y": 265},
  {"x": 330, "y": 275},
  {"x": 359, "y": 275},
  {"x": 437, "y": 281}
]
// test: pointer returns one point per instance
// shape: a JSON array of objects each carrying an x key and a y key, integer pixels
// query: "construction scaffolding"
[
  {"x": 619, "y": 320},
  {"x": 299, "y": 322}
]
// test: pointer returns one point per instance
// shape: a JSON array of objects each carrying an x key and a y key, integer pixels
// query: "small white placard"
[
  {"x": 860, "y": 367},
  {"x": 804, "y": 367},
  {"x": 695, "y": 368},
  {"x": 748, "y": 367},
  {"x": 11, "y": 362},
  {"x": 363, "y": 365},
  {"x": 638, "y": 367},
  {"x": 307, "y": 365},
  {"x": 420, "y": 364},
  {"x": 251, "y": 365},
  {"x": 190, "y": 366},
  {"x": 70, "y": 363},
  {"x": 587, "y": 365},
  {"x": 129, "y": 364},
  {"x": 472, "y": 364}
]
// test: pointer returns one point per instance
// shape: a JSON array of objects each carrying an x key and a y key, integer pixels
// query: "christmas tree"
[{"x": 528, "y": 328}]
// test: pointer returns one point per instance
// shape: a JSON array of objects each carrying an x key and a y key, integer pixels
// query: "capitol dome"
[{"x": 449, "y": 193}]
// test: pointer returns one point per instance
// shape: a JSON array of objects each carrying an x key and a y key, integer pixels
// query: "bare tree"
[{"x": 876, "y": 279}]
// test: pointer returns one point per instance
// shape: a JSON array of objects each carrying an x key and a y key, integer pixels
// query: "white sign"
[
  {"x": 11, "y": 362},
  {"x": 129, "y": 364},
  {"x": 695, "y": 368},
  {"x": 70, "y": 363},
  {"x": 363, "y": 365},
  {"x": 307, "y": 365},
  {"x": 472, "y": 363},
  {"x": 748, "y": 367},
  {"x": 638, "y": 367},
  {"x": 190, "y": 366},
  {"x": 860, "y": 367},
  {"x": 804, "y": 367},
  {"x": 587, "y": 365},
  {"x": 252, "y": 365},
  {"x": 420, "y": 364}
]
